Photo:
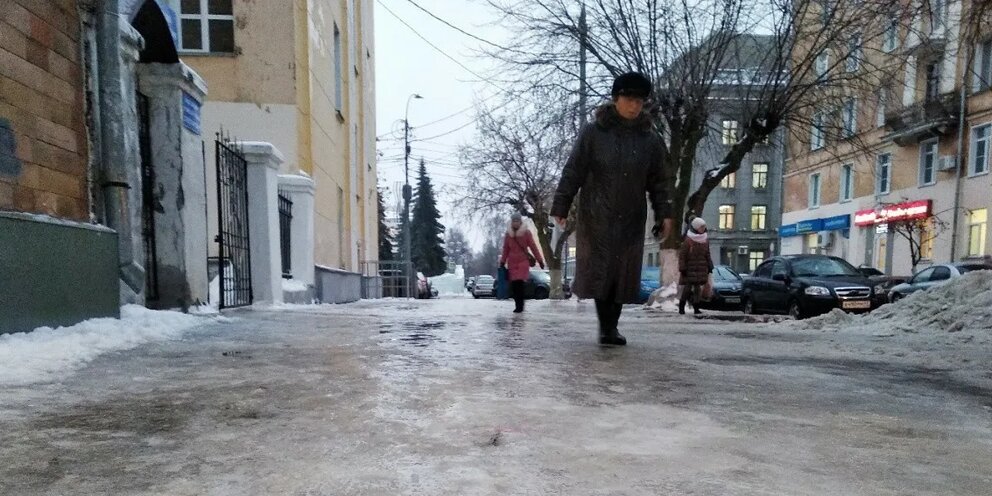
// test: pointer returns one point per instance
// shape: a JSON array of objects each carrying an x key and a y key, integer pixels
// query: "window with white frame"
[
  {"x": 758, "y": 215},
  {"x": 338, "y": 71},
  {"x": 846, "y": 182},
  {"x": 883, "y": 174},
  {"x": 890, "y": 40},
  {"x": 822, "y": 66},
  {"x": 759, "y": 175},
  {"x": 814, "y": 190},
  {"x": 850, "y": 116},
  {"x": 726, "y": 217},
  {"x": 882, "y": 99},
  {"x": 854, "y": 53},
  {"x": 983, "y": 67},
  {"x": 938, "y": 16},
  {"x": 755, "y": 257},
  {"x": 729, "y": 182},
  {"x": 206, "y": 26},
  {"x": 928, "y": 163},
  {"x": 730, "y": 132},
  {"x": 818, "y": 138},
  {"x": 977, "y": 220},
  {"x": 980, "y": 137}
]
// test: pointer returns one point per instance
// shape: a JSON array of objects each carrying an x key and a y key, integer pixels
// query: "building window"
[
  {"x": 977, "y": 220},
  {"x": 846, "y": 182},
  {"x": 730, "y": 132},
  {"x": 850, "y": 115},
  {"x": 758, "y": 215},
  {"x": 206, "y": 26},
  {"x": 822, "y": 66},
  {"x": 853, "y": 62},
  {"x": 759, "y": 176},
  {"x": 933, "y": 81},
  {"x": 883, "y": 101},
  {"x": 730, "y": 181},
  {"x": 828, "y": 7},
  {"x": 983, "y": 67},
  {"x": 650, "y": 259},
  {"x": 726, "y": 217},
  {"x": 818, "y": 134},
  {"x": 814, "y": 190},
  {"x": 938, "y": 16},
  {"x": 883, "y": 174},
  {"x": 338, "y": 72},
  {"x": 928, "y": 163},
  {"x": 891, "y": 37},
  {"x": 754, "y": 259},
  {"x": 980, "y": 149},
  {"x": 812, "y": 244}
]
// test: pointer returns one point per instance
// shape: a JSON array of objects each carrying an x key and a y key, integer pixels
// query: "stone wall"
[{"x": 43, "y": 145}]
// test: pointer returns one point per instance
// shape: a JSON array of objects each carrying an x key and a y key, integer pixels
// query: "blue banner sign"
[
  {"x": 191, "y": 114},
  {"x": 838, "y": 222}
]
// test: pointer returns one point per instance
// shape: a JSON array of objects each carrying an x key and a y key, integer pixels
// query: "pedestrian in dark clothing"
[
  {"x": 695, "y": 264},
  {"x": 518, "y": 260},
  {"x": 616, "y": 161}
]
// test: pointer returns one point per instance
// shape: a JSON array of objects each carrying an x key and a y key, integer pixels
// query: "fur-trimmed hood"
[
  {"x": 519, "y": 233},
  {"x": 608, "y": 118}
]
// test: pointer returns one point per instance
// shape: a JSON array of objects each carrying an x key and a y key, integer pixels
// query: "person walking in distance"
[
  {"x": 520, "y": 253},
  {"x": 695, "y": 264},
  {"x": 616, "y": 160}
]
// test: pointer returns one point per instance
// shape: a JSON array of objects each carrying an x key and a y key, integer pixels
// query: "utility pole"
[{"x": 407, "y": 195}]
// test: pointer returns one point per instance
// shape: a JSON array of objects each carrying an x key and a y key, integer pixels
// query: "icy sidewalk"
[{"x": 47, "y": 354}]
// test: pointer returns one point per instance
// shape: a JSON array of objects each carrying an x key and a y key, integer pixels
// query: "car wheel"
[
  {"x": 795, "y": 311},
  {"x": 896, "y": 297},
  {"x": 748, "y": 306},
  {"x": 540, "y": 294}
]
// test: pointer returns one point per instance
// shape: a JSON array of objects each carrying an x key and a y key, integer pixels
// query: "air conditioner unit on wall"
[
  {"x": 742, "y": 250},
  {"x": 947, "y": 162},
  {"x": 824, "y": 239}
]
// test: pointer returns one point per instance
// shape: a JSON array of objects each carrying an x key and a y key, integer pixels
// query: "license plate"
[
  {"x": 855, "y": 305},
  {"x": 732, "y": 300}
]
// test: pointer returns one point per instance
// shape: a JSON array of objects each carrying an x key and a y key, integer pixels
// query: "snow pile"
[
  {"x": 47, "y": 354},
  {"x": 964, "y": 304},
  {"x": 665, "y": 298},
  {"x": 448, "y": 284},
  {"x": 293, "y": 285}
]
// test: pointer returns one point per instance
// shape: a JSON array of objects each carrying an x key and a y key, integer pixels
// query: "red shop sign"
[{"x": 920, "y": 209}]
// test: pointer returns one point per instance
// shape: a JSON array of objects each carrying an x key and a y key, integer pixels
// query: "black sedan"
[
  {"x": 727, "y": 289},
  {"x": 807, "y": 285}
]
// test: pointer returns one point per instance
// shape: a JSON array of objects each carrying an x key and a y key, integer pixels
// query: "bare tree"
[
  {"x": 920, "y": 234},
  {"x": 822, "y": 55},
  {"x": 514, "y": 165}
]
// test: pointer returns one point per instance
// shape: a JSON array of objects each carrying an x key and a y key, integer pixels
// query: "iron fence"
[
  {"x": 285, "y": 243},
  {"x": 233, "y": 235}
]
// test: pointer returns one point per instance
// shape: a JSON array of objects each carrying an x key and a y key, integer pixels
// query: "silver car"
[
  {"x": 485, "y": 287},
  {"x": 933, "y": 276}
]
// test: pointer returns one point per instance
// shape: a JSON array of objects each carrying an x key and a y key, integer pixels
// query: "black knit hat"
[{"x": 632, "y": 84}]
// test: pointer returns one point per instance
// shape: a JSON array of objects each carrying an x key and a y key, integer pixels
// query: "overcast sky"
[{"x": 443, "y": 120}]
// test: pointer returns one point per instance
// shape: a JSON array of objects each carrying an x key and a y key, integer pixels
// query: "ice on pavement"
[
  {"x": 962, "y": 305},
  {"x": 47, "y": 354}
]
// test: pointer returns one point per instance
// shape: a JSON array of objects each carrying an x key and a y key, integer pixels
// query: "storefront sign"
[
  {"x": 836, "y": 223},
  {"x": 920, "y": 209},
  {"x": 815, "y": 225},
  {"x": 191, "y": 114},
  {"x": 882, "y": 229},
  {"x": 787, "y": 231}
]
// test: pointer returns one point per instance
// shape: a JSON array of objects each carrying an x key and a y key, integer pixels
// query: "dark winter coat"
[
  {"x": 613, "y": 165},
  {"x": 695, "y": 263}
]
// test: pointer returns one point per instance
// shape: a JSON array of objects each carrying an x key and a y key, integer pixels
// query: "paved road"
[{"x": 460, "y": 397}]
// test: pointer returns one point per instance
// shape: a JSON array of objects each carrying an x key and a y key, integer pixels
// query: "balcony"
[{"x": 925, "y": 119}]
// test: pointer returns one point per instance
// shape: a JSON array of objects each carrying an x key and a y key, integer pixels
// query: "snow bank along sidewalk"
[
  {"x": 47, "y": 354},
  {"x": 963, "y": 306}
]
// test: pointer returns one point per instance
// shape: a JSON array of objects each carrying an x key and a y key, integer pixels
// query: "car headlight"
[
  {"x": 817, "y": 291},
  {"x": 879, "y": 290}
]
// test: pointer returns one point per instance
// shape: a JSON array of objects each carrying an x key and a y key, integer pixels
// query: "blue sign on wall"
[
  {"x": 787, "y": 231},
  {"x": 808, "y": 226},
  {"x": 191, "y": 114},
  {"x": 838, "y": 222}
]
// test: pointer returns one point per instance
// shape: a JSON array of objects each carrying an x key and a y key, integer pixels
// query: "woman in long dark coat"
[
  {"x": 695, "y": 264},
  {"x": 615, "y": 162}
]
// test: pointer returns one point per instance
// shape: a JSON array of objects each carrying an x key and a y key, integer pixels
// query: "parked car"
[
  {"x": 878, "y": 278},
  {"x": 423, "y": 287},
  {"x": 650, "y": 281},
  {"x": 727, "y": 289},
  {"x": 807, "y": 285},
  {"x": 485, "y": 287},
  {"x": 538, "y": 285},
  {"x": 470, "y": 283},
  {"x": 933, "y": 276}
]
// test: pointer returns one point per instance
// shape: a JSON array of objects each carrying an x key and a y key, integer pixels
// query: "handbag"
[{"x": 530, "y": 258}]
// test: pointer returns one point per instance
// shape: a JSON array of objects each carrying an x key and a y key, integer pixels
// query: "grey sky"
[{"x": 407, "y": 64}]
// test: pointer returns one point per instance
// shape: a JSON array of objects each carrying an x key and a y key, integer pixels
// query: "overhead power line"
[{"x": 460, "y": 30}]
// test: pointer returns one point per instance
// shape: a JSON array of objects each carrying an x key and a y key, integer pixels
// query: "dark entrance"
[
  {"x": 232, "y": 207},
  {"x": 147, "y": 202}
]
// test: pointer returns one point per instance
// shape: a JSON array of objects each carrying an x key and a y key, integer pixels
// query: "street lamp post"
[{"x": 407, "y": 193}]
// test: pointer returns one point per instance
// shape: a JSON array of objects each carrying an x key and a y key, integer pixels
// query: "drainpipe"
[
  {"x": 963, "y": 109},
  {"x": 113, "y": 47}
]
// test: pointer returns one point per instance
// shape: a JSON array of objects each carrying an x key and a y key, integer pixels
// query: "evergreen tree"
[
  {"x": 386, "y": 241},
  {"x": 426, "y": 230}
]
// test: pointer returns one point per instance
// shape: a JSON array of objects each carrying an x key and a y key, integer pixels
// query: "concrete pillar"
[
  {"x": 300, "y": 190},
  {"x": 264, "y": 160},
  {"x": 175, "y": 93}
]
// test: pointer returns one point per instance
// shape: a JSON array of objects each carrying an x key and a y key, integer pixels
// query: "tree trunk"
[{"x": 669, "y": 267}]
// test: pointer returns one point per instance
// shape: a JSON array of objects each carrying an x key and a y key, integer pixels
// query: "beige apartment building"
[
  {"x": 915, "y": 152},
  {"x": 298, "y": 74}
]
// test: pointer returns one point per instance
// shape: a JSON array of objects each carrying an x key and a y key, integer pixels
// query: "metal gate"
[
  {"x": 285, "y": 234},
  {"x": 147, "y": 201},
  {"x": 234, "y": 270}
]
